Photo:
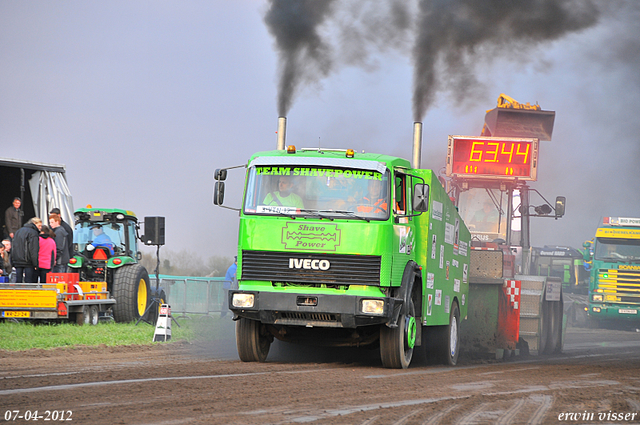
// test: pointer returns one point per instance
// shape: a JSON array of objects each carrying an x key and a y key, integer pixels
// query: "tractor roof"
[{"x": 103, "y": 214}]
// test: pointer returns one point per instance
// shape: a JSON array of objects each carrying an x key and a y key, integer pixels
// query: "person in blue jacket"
[
  {"x": 101, "y": 239},
  {"x": 229, "y": 282}
]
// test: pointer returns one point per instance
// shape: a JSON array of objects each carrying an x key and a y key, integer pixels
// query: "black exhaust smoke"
[
  {"x": 304, "y": 57},
  {"x": 452, "y": 35}
]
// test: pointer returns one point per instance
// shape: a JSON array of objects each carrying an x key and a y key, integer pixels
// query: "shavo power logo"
[{"x": 321, "y": 237}]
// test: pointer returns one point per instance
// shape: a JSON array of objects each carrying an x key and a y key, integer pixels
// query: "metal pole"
[
  {"x": 525, "y": 241},
  {"x": 509, "y": 214},
  {"x": 21, "y": 209}
]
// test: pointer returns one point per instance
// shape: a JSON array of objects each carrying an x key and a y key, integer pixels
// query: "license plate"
[
  {"x": 16, "y": 314},
  {"x": 625, "y": 311}
]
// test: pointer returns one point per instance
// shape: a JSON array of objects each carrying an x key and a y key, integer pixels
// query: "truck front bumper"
[
  {"x": 314, "y": 310},
  {"x": 614, "y": 312}
]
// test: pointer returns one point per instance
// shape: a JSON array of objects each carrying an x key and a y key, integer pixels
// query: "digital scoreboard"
[{"x": 500, "y": 158}]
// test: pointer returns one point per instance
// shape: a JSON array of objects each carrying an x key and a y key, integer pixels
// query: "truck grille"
[
  {"x": 296, "y": 267},
  {"x": 624, "y": 284}
]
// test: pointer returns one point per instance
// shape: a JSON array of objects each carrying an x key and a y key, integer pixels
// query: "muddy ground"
[{"x": 203, "y": 382}]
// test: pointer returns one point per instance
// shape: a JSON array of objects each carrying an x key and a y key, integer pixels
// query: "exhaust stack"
[
  {"x": 282, "y": 130},
  {"x": 417, "y": 144}
]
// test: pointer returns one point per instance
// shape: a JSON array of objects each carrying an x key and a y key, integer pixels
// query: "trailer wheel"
[
  {"x": 93, "y": 315},
  {"x": 449, "y": 345},
  {"x": 543, "y": 327},
  {"x": 88, "y": 315},
  {"x": 131, "y": 291},
  {"x": 397, "y": 344},
  {"x": 82, "y": 318},
  {"x": 554, "y": 330},
  {"x": 253, "y": 340}
]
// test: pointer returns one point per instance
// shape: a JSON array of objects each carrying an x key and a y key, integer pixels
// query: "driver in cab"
[
  {"x": 374, "y": 202},
  {"x": 284, "y": 196},
  {"x": 101, "y": 239}
]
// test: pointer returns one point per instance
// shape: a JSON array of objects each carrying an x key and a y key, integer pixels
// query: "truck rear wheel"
[
  {"x": 131, "y": 291},
  {"x": 396, "y": 344},
  {"x": 253, "y": 340},
  {"x": 449, "y": 341}
]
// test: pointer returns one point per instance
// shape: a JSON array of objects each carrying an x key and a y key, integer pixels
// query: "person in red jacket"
[{"x": 47, "y": 253}]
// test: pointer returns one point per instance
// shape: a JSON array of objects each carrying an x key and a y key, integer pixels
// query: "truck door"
[{"x": 404, "y": 235}]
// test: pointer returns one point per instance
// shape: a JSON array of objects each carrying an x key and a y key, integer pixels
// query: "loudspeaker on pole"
[{"x": 153, "y": 231}]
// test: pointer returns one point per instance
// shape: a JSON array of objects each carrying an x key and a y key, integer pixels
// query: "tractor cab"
[
  {"x": 103, "y": 239},
  {"x": 106, "y": 250}
]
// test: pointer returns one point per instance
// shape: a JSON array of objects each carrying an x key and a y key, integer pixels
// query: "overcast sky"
[{"x": 142, "y": 100}]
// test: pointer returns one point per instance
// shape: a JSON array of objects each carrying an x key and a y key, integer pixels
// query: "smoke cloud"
[
  {"x": 446, "y": 39},
  {"x": 304, "y": 57},
  {"x": 452, "y": 35}
]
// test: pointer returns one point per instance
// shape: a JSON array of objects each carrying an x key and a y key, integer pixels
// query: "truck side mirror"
[
  {"x": 421, "y": 197},
  {"x": 560, "y": 204},
  {"x": 220, "y": 174},
  {"x": 218, "y": 191}
]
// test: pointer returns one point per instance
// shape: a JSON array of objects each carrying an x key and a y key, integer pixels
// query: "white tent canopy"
[{"x": 49, "y": 188}]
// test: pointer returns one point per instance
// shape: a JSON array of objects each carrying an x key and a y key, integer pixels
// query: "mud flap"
[{"x": 403, "y": 295}]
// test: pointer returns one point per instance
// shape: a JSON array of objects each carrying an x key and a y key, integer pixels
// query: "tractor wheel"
[
  {"x": 253, "y": 340},
  {"x": 396, "y": 344},
  {"x": 449, "y": 338},
  {"x": 131, "y": 291}
]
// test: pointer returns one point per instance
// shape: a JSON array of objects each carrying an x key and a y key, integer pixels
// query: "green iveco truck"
[
  {"x": 614, "y": 257},
  {"x": 348, "y": 249}
]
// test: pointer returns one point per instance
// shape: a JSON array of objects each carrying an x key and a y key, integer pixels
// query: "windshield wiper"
[
  {"x": 318, "y": 214},
  {"x": 291, "y": 216},
  {"x": 352, "y": 214}
]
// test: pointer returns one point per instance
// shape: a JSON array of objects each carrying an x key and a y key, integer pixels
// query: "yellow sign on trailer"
[{"x": 28, "y": 298}]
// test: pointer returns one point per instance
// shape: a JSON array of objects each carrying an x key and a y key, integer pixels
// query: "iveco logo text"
[{"x": 309, "y": 264}]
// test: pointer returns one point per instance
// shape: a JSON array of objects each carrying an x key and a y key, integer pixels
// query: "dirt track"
[{"x": 204, "y": 383}]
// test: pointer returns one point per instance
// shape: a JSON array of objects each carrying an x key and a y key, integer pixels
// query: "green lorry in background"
[
  {"x": 614, "y": 258},
  {"x": 323, "y": 259},
  {"x": 564, "y": 262}
]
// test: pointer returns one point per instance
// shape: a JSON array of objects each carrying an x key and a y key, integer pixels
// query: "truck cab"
[
  {"x": 342, "y": 248},
  {"x": 615, "y": 270}
]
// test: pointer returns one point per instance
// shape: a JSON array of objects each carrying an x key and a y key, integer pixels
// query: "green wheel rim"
[{"x": 410, "y": 331}]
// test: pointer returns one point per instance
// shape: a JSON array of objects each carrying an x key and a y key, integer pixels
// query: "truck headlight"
[
  {"x": 375, "y": 307},
  {"x": 597, "y": 297},
  {"x": 242, "y": 300}
]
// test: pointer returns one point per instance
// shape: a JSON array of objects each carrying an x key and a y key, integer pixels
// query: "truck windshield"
[
  {"x": 318, "y": 192},
  {"x": 484, "y": 212},
  {"x": 100, "y": 234},
  {"x": 613, "y": 249}
]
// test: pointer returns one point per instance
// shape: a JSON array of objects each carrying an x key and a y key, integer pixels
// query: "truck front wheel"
[
  {"x": 253, "y": 340},
  {"x": 396, "y": 344},
  {"x": 131, "y": 291}
]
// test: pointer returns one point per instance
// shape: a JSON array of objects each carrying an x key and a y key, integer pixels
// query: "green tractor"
[{"x": 106, "y": 250}]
